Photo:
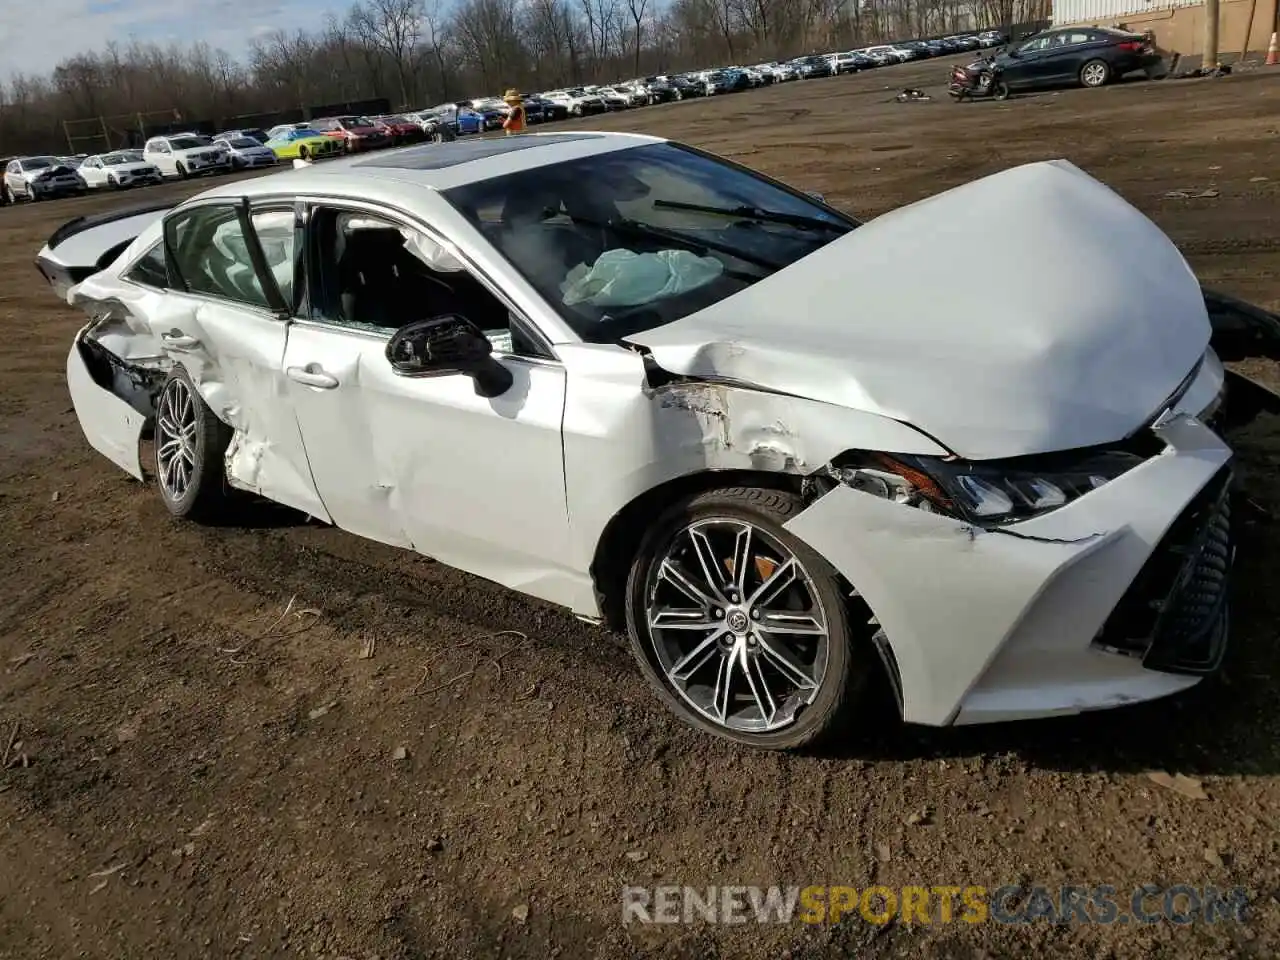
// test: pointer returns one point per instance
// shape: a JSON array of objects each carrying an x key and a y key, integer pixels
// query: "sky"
[{"x": 34, "y": 37}]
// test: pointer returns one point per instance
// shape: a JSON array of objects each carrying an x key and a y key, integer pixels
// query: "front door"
[{"x": 426, "y": 463}]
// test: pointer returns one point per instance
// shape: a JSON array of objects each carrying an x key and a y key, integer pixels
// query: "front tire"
[
  {"x": 1000, "y": 90},
  {"x": 182, "y": 171},
  {"x": 740, "y": 627},
  {"x": 191, "y": 444},
  {"x": 1095, "y": 73}
]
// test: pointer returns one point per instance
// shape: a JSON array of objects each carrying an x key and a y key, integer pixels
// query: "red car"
[
  {"x": 356, "y": 133},
  {"x": 399, "y": 129}
]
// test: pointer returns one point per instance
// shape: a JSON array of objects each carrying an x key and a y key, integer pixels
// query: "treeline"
[{"x": 417, "y": 53}]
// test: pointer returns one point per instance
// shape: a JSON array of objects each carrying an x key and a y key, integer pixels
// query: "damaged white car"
[{"x": 789, "y": 453}]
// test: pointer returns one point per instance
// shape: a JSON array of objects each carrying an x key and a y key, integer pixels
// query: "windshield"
[
  {"x": 114, "y": 159},
  {"x": 187, "y": 143},
  {"x": 241, "y": 143},
  {"x": 37, "y": 163},
  {"x": 640, "y": 237},
  {"x": 350, "y": 123}
]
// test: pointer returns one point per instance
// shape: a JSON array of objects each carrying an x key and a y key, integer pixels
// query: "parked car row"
[{"x": 189, "y": 154}]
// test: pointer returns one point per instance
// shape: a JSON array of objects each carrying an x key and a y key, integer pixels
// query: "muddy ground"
[{"x": 168, "y": 798}]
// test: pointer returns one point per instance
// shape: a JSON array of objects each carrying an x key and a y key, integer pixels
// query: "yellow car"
[{"x": 302, "y": 143}]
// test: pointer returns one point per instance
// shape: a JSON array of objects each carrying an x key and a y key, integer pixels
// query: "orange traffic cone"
[{"x": 1273, "y": 55}]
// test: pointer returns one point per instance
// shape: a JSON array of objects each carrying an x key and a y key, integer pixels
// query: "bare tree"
[
  {"x": 637, "y": 8},
  {"x": 392, "y": 27}
]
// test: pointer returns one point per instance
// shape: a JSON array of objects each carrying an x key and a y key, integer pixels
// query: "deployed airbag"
[{"x": 624, "y": 278}]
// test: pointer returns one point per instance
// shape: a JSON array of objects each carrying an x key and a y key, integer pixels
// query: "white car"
[
  {"x": 613, "y": 99},
  {"x": 118, "y": 169},
  {"x": 39, "y": 178},
  {"x": 246, "y": 153},
  {"x": 621, "y": 375},
  {"x": 185, "y": 155},
  {"x": 885, "y": 54},
  {"x": 577, "y": 101}
]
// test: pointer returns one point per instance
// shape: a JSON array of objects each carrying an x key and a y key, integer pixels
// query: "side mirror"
[{"x": 444, "y": 345}]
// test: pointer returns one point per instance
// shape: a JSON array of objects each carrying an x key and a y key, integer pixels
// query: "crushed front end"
[{"x": 1079, "y": 590}]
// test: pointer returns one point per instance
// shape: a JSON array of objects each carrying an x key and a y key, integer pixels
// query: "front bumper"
[
  {"x": 137, "y": 179},
  {"x": 58, "y": 188},
  {"x": 1022, "y": 621}
]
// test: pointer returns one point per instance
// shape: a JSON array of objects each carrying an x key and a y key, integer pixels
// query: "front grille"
[{"x": 1173, "y": 614}]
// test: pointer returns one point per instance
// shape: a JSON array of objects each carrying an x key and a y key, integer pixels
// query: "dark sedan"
[{"x": 1089, "y": 56}]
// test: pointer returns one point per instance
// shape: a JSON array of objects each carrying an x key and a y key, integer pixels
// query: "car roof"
[{"x": 434, "y": 166}]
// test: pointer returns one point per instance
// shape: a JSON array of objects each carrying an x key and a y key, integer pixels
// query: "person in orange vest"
[{"x": 515, "y": 117}]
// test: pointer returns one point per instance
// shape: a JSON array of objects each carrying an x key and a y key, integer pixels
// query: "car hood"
[
  {"x": 48, "y": 173},
  {"x": 139, "y": 166},
  {"x": 1067, "y": 327}
]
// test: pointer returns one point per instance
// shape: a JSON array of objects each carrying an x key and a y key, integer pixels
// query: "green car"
[{"x": 302, "y": 143}]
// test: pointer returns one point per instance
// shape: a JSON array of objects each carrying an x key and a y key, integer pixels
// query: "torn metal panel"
[
  {"x": 1012, "y": 613},
  {"x": 623, "y": 437},
  {"x": 111, "y": 424},
  {"x": 233, "y": 355},
  {"x": 889, "y": 320}
]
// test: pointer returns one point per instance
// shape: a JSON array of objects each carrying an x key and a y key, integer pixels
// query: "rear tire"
[
  {"x": 835, "y": 673},
  {"x": 303, "y": 153},
  {"x": 191, "y": 446},
  {"x": 1095, "y": 73}
]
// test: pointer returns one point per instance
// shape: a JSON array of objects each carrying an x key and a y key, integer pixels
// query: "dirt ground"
[{"x": 207, "y": 762}]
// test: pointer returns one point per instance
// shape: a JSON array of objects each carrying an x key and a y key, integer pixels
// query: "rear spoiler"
[
  {"x": 83, "y": 246},
  {"x": 81, "y": 224}
]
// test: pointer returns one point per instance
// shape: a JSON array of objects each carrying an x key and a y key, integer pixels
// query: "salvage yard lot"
[{"x": 277, "y": 739}]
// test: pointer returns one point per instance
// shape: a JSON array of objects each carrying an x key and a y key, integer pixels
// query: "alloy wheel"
[
  {"x": 737, "y": 626},
  {"x": 176, "y": 427},
  {"x": 1094, "y": 74}
]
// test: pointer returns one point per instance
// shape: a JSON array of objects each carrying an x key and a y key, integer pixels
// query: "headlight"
[{"x": 989, "y": 492}]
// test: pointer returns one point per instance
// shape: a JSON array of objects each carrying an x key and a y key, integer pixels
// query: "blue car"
[{"x": 461, "y": 119}]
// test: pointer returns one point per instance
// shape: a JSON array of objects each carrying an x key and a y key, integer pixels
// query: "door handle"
[
  {"x": 312, "y": 378},
  {"x": 179, "y": 341}
]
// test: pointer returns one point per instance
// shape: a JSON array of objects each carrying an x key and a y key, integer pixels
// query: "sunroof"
[{"x": 438, "y": 156}]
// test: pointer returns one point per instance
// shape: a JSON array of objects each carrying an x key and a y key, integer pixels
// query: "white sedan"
[
  {"x": 122, "y": 168},
  {"x": 681, "y": 398}
]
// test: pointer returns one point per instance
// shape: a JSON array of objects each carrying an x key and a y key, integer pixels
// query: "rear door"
[{"x": 231, "y": 269}]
